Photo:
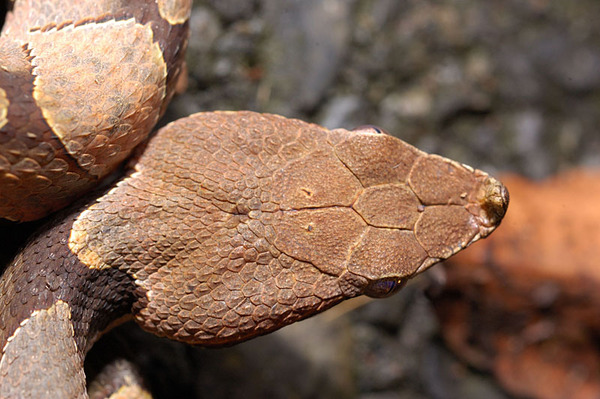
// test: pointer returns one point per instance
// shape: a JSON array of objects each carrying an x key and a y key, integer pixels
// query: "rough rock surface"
[{"x": 504, "y": 85}]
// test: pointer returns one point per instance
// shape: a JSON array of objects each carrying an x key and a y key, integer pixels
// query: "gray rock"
[
  {"x": 342, "y": 111},
  {"x": 306, "y": 46}
]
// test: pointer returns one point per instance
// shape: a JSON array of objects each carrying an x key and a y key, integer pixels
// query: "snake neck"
[{"x": 55, "y": 307}]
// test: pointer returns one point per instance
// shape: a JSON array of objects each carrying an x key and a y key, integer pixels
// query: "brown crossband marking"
[
  {"x": 101, "y": 133},
  {"x": 62, "y": 131},
  {"x": 36, "y": 173}
]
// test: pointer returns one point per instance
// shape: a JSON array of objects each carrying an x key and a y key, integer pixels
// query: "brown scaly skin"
[
  {"x": 60, "y": 133},
  {"x": 232, "y": 225}
]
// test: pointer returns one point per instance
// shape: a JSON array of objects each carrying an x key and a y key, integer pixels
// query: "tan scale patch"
[
  {"x": 44, "y": 350},
  {"x": 75, "y": 68},
  {"x": 3, "y": 108},
  {"x": 175, "y": 11},
  {"x": 131, "y": 392},
  {"x": 81, "y": 245},
  {"x": 59, "y": 311}
]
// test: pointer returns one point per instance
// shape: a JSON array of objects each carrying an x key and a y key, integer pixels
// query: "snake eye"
[
  {"x": 370, "y": 129},
  {"x": 384, "y": 288}
]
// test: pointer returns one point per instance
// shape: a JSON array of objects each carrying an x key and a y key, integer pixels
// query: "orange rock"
[{"x": 525, "y": 303}]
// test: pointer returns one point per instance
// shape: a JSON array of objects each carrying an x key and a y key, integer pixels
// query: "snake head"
[
  {"x": 376, "y": 211},
  {"x": 250, "y": 222}
]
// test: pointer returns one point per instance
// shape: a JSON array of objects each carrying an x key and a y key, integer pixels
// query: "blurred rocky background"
[{"x": 502, "y": 85}]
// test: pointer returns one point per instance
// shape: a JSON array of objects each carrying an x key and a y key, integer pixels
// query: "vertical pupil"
[{"x": 387, "y": 285}]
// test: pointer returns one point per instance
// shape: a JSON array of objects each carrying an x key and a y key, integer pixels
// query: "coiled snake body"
[{"x": 228, "y": 225}]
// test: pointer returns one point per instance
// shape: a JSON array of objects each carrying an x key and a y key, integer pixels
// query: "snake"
[{"x": 225, "y": 225}]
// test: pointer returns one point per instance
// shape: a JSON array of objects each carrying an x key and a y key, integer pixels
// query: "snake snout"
[{"x": 494, "y": 201}]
